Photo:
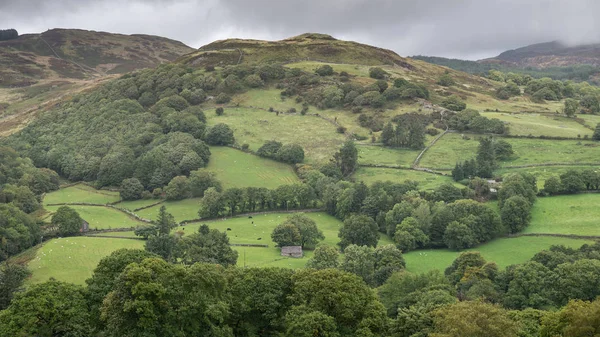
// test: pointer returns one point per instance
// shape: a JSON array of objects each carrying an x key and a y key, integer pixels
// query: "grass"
[
  {"x": 81, "y": 193},
  {"x": 268, "y": 98},
  {"x": 426, "y": 180},
  {"x": 503, "y": 251},
  {"x": 254, "y": 127},
  {"x": 540, "y": 125},
  {"x": 379, "y": 155},
  {"x": 186, "y": 209},
  {"x": 568, "y": 214},
  {"x": 451, "y": 148},
  {"x": 243, "y": 231},
  {"x": 74, "y": 259},
  {"x": 135, "y": 204},
  {"x": 102, "y": 217},
  {"x": 590, "y": 120},
  {"x": 235, "y": 168}
]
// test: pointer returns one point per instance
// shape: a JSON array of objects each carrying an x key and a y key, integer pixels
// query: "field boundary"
[
  {"x": 418, "y": 159},
  {"x": 120, "y": 209},
  {"x": 306, "y": 210}
]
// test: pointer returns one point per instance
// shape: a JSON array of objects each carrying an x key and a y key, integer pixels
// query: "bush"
[
  {"x": 220, "y": 134},
  {"x": 67, "y": 220},
  {"x": 377, "y": 73},
  {"x": 209, "y": 68},
  {"x": 245, "y": 146},
  {"x": 219, "y": 111},
  {"x": 446, "y": 81},
  {"x": 131, "y": 189},
  {"x": 324, "y": 70},
  {"x": 269, "y": 149},
  {"x": 291, "y": 153},
  {"x": 454, "y": 103},
  {"x": 341, "y": 129},
  {"x": 254, "y": 81},
  {"x": 432, "y": 131},
  {"x": 222, "y": 98}
]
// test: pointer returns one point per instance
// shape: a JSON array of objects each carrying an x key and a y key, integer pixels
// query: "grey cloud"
[{"x": 452, "y": 28}]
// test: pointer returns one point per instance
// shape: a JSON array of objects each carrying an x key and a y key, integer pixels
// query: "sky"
[{"x": 467, "y": 29}]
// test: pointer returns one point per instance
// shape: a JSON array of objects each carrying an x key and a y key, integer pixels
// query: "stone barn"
[
  {"x": 291, "y": 251},
  {"x": 85, "y": 226}
]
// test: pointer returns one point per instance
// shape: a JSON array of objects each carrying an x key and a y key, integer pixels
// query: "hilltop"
[
  {"x": 305, "y": 47},
  {"x": 80, "y": 54}
]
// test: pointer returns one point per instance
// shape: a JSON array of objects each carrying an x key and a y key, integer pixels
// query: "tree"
[
  {"x": 409, "y": 235},
  {"x": 571, "y": 106},
  {"x": 516, "y": 213},
  {"x": 360, "y": 260},
  {"x": 459, "y": 236},
  {"x": 388, "y": 260},
  {"x": 307, "y": 228},
  {"x": 105, "y": 275},
  {"x": 254, "y": 81},
  {"x": 324, "y": 70},
  {"x": 219, "y": 111},
  {"x": 446, "y": 80},
  {"x": 131, "y": 189},
  {"x": 209, "y": 246},
  {"x": 301, "y": 322},
  {"x": 454, "y": 103},
  {"x": 528, "y": 285},
  {"x": 596, "y": 135},
  {"x": 572, "y": 182},
  {"x": 359, "y": 230},
  {"x": 552, "y": 185},
  {"x": 164, "y": 246},
  {"x": 8, "y": 34},
  {"x": 290, "y": 153},
  {"x": 67, "y": 220},
  {"x": 178, "y": 188},
  {"x": 387, "y": 134},
  {"x": 355, "y": 306},
  {"x": 12, "y": 277},
  {"x": 347, "y": 158},
  {"x": 200, "y": 180},
  {"x": 269, "y": 149},
  {"x": 155, "y": 298},
  {"x": 377, "y": 73},
  {"x": 576, "y": 319},
  {"x": 220, "y": 134},
  {"x": 473, "y": 319},
  {"x": 212, "y": 204},
  {"x": 47, "y": 309},
  {"x": 164, "y": 221},
  {"x": 286, "y": 234},
  {"x": 24, "y": 232},
  {"x": 324, "y": 257}
]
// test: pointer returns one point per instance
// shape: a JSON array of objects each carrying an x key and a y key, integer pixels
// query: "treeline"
[
  {"x": 134, "y": 292},
  {"x": 409, "y": 131},
  {"x": 572, "y": 181},
  {"x": 489, "y": 152},
  {"x": 582, "y": 72},
  {"x": 8, "y": 34},
  {"x": 21, "y": 189}
]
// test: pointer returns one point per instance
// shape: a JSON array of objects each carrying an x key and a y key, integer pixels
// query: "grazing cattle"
[{"x": 228, "y": 229}]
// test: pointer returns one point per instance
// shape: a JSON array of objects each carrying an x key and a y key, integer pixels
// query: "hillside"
[
  {"x": 550, "y": 54},
  {"x": 305, "y": 47},
  {"x": 38, "y": 71},
  {"x": 80, "y": 54}
]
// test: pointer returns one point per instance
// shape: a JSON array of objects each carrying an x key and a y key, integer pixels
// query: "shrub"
[
  {"x": 291, "y": 153},
  {"x": 446, "y": 81},
  {"x": 245, "y": 146},
  {"x": 377, "y": 73},
  {"x": 219, "y": 111},
  {"x": 220, "y": 134},
  {"x": 131, "y": 189},
  {"x": 222, "y": 98},
  {"x": 454, "y": 103},
  {"x": 209, "y": 68},
  {"x": 341, "y": 129},
  {"x": 324, "y": 70},
  {"x": 254, "y": 81}
]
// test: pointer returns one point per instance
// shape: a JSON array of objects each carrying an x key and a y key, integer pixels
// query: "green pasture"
[
  {"x": 452, "y": 148},
  {"x": 503, "y": 251},
  {"x": 540, "y": 124},
  {"x": 135, "y": 204},
  {"x": 81, "y": 193},
  {"x": 185, "y": 209},
  {"x": 268, "y": 98},
  {"x": 567, "y": 214},
  {"x": 102, "y": 217},
  {"x": 590, "y": 120},
  {"x": 235, "y": 168},
  {"x": 74, "y": 259},
  {"x": 380, "y": 155},
  {"x": 426, "y": 180},
  {"x": 254, "y": 127},
  {"x": 481, "y": 102}
]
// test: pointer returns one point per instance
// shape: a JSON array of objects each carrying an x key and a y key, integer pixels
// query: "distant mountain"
[
  {"x": 550, "y": 54},
  {"x": 80, "y": 54}
]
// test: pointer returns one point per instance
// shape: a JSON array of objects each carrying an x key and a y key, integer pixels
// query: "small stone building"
[
  {"x": 85, "y": 226},
  {"x": 291, "y": 251}
]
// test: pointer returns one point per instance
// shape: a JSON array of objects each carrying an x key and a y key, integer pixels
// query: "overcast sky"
[{"x": 470, "y": 29}]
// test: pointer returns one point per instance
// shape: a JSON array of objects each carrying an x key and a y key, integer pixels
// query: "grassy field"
[
  {"x": 504, "y": 251},
  {"x": 74, "y": 259},
  {"x": 426, "y": 180},
  {"x": 254, "y": 127},
  {"x": 81, "y": 193},
  {"x": 102, "y": 217},
  {"x": 590, "y": 120},
  {"x": 267, "y": 98},
  {"x": 135, "y": 204},
  {"x": 379, "y": 155},
  {"x": 235, "y": 168},
  {"x": 540, "y": 125},
  {"x": 451, "y": 148},
  {"x": 568, "y": 214},
  {"x": 186, "y": 209}
]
